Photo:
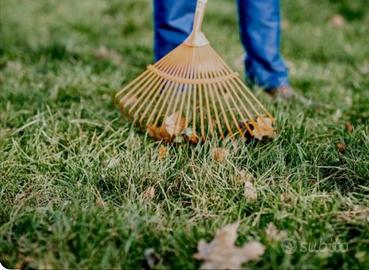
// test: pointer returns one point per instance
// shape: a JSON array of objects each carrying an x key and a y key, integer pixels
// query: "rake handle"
[
  {"x": 197, "y": 38},
  {"x": 199, "y": 15}
]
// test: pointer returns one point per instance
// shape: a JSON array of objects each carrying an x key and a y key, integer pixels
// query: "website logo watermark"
[{"x": 291, "y": 246}]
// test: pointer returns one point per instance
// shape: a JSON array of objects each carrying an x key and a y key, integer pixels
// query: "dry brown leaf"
[
  {"x": 159, "y": 133},
  {"x": 349, "y": 127},
  {"x": 221, "y": 253},
  {"x": 100, "y": 202},
  {"x": 264, "y": 128},
  {"x": 220, "y": 154},
  {"x": 286, "y": 197},
  {"x": 341, "y": 147},
  {"x": 108, "y": 54},
  {"x": 337, "y": 21},
  {"x": 190, "y": 136},
  {"x": 163, "y": 152},
  {"x": 175, "y": 124},
  {"x": 273, "y": 234},
  {"x": 149, "y": 193},
  {"x": 172, "y": 127},
  {"x": 244, "y": 176},
  {"x": 250, "y": 191}
]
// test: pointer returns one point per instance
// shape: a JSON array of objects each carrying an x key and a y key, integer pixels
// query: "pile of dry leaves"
[{"x": 175, "y": 129}]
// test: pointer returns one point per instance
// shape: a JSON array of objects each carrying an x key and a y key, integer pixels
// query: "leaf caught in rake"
[{"x": 195, "y": 86}]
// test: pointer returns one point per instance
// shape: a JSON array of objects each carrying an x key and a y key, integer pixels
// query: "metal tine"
[
  {"x": 200, "y": 93},
  {"x": 225, "y": 118},
  {"x": 174, "y": 92},
  {"x": 216, "y": 113},
  {"x": 229, "y": 94},
  {"x": 169, "y": 94},
  {"x": 240, "y": 83},
  {"x": 206, "y": 90},
  {"x": 233, "y": 94},
  {"x": 143, "y": 88},
  {"x": 139, "y": 88},
  {"x": 149, "y": 87},
  {"x": 131, "y": 91},
  {"x": 140, "y": 79},
  {"x": 164, "y": 95},
  {"x": 245, "y": 88},
  {"x": 243, "y": 93},
  {"x": 187, "y": 87},
  {"x": 179, "y": 92},
  {"x": 192, "y": 88},
  {"x": 153, "y": 91}
]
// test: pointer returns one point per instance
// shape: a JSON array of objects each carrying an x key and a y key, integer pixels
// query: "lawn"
[{"x": 81, "y": 188}]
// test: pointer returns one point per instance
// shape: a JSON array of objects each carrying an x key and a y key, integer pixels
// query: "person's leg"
[
  {"x": 260, "y": 34},
  {"x": 173, "y": 21}
]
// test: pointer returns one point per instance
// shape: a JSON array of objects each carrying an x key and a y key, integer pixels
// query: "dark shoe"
[{"x": 283, "y": 93}]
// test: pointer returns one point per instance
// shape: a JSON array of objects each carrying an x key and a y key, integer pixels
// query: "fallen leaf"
[
  {"x": 286, "y": 197},
  {"x": 250, "y": 191},
  {"x": 273, "y": 234},
  {"x": 159, "y": 133},
  {"x": 102, "y": 52},
  {"x": 264, "y": 128},
  {"x": 349, "y": 127},
  {"x": 221, "y": 252},
  {"x": 175, "y": 124},
  {"x": 341, "y": 147},
  {"x": 244, "y": 176},
  {"x": 152, "y": 259},
  {"x": 337, "y": 21},
  {"x": 149, "y": 193},
  {"x": 108, "y": 54},
  {"x": 190, "y": 135},
  {"x": 172, "y": 127},
  {"x": 219, "y": 154},
  {"x": 163, "y": 152},
  {"x": 100, "y": 202}
]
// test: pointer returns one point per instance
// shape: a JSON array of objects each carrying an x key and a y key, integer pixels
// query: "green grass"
[{"x": 63, "y": 144}]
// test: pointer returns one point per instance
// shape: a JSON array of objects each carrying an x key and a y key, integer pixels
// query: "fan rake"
[{"x": 196, "y": 91}]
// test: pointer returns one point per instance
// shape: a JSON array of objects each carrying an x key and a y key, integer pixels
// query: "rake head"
[{"x": 192, "y": 91}]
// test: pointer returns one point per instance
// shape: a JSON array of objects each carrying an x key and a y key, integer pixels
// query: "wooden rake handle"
[
  {"x": 199, "y": 15},
  {"x": 197, "y": 38}
]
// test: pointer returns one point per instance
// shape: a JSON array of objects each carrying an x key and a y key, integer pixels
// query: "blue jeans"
[{"x": 260, "y": 34}]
